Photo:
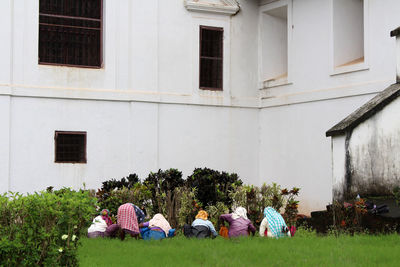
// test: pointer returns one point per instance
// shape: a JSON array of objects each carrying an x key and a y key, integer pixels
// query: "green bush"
[
  {"x": 162, "y": 185},
  {"x": 188, "y": 206},
  {"x": 255, "y": 199},
  {"x": 215, "y": 211},
  {"x": 138, "y": 194},
  {"x": 43, "y": 228},
  {"x": 213, "y": 186}
]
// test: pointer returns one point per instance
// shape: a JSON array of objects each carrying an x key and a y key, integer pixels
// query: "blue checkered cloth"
[{"x": 275, "y": 222}]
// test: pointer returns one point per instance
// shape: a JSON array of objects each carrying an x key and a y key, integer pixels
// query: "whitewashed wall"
[
  {"x": 374, "y": 150},
  {"x": 145, "y": 102},
  {"x": 294, "y": 117},
  {"x": 142, "y": 111}
]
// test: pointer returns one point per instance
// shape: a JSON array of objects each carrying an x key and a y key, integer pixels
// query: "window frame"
[
  {"x": 101, "y": 65},
  {"x": 337, "y": 70},
  {"x": 84, "y": 133},
  {"x": 265, "y": 84},
  {"x": 220, "y": 29}
]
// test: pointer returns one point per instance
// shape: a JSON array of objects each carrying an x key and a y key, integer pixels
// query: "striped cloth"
[
  {"x": 127, "y": 218},
  {"x": 275, "y": 222},
  {"x": 139, "y": 213}
]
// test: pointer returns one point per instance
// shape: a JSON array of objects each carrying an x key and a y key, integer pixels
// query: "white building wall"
[
  {"x": 4, "y": 142},
  {"x": 149, "y": 82},
  {"x": 218, "y": 138},
  {"x": 375, "y": 152},
  {"x": 294, "y": 150},
  {"x": 294, "y": 117},
  {"x": 338, "y": 146},
  {"x": 144, "y": 104}
]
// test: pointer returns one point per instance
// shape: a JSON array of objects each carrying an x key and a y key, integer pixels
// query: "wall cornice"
[{"x": 224, "y": 7}]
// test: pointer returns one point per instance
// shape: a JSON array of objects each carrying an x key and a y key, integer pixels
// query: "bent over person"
[
  {"x": 127, "y": 220},
  {"x": 239, "y": 224},
  {"x": 201, "y": 227},
  {"x": 100, "y": 225},
  {"x": 274, "y": 223},
  {"x": 157, "y": 228}
]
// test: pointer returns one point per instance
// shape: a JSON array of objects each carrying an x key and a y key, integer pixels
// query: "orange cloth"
[
  {"x": 224, "y": 232},
  {"x": 202, "y": 215}
]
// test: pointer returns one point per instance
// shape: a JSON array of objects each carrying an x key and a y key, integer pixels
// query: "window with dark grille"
[
  {"x": 211, "y": 57},
  {"x": 70, "y": 147},
  {"x": 70, "y": 32}
]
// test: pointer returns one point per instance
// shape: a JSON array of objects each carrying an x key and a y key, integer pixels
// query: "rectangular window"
[
  {"x": 211, "y": 58},
  {"x": 348, "y": 32},
  {"x": 70, "y": 32},
  {"x": 274, "y": 45},
  {"x": 70, "y": 147}
]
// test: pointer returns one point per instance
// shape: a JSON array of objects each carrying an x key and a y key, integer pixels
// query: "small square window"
[
  {"x": 211, "y": 58},
  {"x": 70, "y": 147}
]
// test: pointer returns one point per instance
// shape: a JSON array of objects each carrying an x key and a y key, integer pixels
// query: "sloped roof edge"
[{"x": 366, "y": 111}]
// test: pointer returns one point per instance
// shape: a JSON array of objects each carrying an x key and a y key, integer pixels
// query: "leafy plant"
[
  {"x": 188, "y": 205},
  {"x": 162, "y": 185},
  {"x": 291, "y": 206},
  {"x": 139, "y": 195},
  {"x": 396, "y": 194},
  {"x": 215, "y": 211},
  {"x": 213, "y": 186},
  {"x": 43, "y": 228}
]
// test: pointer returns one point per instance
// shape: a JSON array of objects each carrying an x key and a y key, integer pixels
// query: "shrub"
[
  {"x": 127, "y": 182},
  {"x": 215, "y": 211},
  {"x": 138, "y": 194},
  {"x": 188, "y": 206},
  {"x": 43, "y": 228},
  {"x": 255, "y": 199},
  {"x": 291, "y": 205},
  {"x": 162, "y": 185},
  {"x": 213, "y": 186}
]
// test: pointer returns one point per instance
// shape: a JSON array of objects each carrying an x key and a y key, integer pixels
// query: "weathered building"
[
  {"x": 128, "y": 87},
  {"x": 366, "y": 145}
]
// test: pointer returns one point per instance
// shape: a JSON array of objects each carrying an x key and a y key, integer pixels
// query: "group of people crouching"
[{"x": 131, "y": 220}]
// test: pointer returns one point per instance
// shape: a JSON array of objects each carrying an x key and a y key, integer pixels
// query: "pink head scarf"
[{"x": 127, "y": 218}]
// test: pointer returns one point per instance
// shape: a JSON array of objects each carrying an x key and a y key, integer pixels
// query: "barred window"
[
  {"x": 70, "y": 32},
  {"x": 70, "y": 147},
  {"x": 211, "y": 58}
]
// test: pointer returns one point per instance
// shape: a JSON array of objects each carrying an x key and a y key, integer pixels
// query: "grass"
[{"x": 305, "y": 249}]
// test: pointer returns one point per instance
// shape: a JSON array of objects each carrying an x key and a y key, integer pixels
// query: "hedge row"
[{"x": 43, "y": 229}]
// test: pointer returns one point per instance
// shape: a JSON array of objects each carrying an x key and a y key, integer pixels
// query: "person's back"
[
  {"x": 201, "y": 227},
  {"x": 238, "y": 227},
  {"x": 239, "y": 224}
]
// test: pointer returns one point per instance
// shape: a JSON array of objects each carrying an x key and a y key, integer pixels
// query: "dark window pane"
[
  {"x": 211, "y": 58},
  {"x": 210, "y": 73},
  {"x": 70, "y": 32},
  {"x": 70, "y": 147},
  {"x": 76, "y": 8},
  {"x": 211, "y": 43}
]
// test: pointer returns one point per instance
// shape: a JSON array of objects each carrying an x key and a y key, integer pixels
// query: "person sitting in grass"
[
  {"x": 201, "y": 227},
  {"x": 274, "y": 224},
  {"x": 239, "y": 224},
  {"x": 157, "y": 228},
  {"x": 127, "y": 221},
  {"x": 100, "y": 224}
]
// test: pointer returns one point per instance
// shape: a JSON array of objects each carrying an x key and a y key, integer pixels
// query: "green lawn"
[{"x": 305, "y": 249}]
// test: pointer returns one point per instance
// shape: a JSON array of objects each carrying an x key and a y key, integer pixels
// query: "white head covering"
[
  {"x": 239, "y": 212},
  {"x": 159, "y": 221}
]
